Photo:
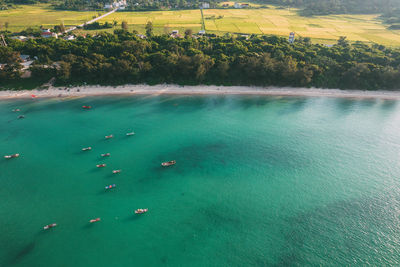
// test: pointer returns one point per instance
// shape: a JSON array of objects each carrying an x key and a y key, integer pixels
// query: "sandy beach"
[{"x": 82, "y": 91}]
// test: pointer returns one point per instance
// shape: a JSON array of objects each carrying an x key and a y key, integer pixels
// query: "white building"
[
  {"x": 108, "y": 6},
  {"x": 205, "y": 5},
  {"x": 141, "y": 36},
  {"x": 69, "y": 38},
  {"x": 237, "y": 5},
  {"x": 21, "y": 38}
]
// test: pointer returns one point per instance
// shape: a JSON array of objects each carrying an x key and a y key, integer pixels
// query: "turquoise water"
[{"x": 259, "y": 181}]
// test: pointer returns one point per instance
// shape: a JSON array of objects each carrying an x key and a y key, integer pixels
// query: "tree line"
[{"x": 123, "y": 57}]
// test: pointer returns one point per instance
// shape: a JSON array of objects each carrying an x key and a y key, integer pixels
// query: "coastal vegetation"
[{"x": 123, "y": 57}]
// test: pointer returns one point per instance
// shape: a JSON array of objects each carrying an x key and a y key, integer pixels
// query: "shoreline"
[{"x": 164, "y": 89}]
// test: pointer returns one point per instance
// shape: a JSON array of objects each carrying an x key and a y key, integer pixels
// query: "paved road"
[{"x": 91, "y": 21}]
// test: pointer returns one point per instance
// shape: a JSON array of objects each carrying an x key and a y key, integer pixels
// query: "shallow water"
[{"x": 258, "y": 181}]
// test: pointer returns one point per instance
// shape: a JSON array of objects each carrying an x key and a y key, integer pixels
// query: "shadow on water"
[
  {"x": 112, "y": 175},
  {"x": 106, "y": 191},
  {"x": 293, "y": 106},
  {"x": 89, "y": 225},
  {"x": 367, "y": 103},
  {"x": 23, "y": 252},
  {"x": 254, "y": 101},
  {"x": 389, "y": 105},
  {"x": 164, "y": 260},
  {"x": 132, "y": 218},
  {"x": 98, "y": 169},
  {"x": 80, "y": 152},
  {"x": 27, "y": 249},
  {"x": 344, "y": 105}
]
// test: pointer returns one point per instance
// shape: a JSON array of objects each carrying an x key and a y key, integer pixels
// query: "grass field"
[{"x": 325, "y": 29}]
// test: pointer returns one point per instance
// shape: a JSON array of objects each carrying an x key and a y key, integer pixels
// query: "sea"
[{"x": 258, "y": 181}]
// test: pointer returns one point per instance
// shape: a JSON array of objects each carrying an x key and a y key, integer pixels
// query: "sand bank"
[{"x": 82, "y": 91}]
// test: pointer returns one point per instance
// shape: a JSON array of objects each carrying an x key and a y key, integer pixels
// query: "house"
[
  {"x": 69, "y": 38},
  {"x": 49, "y": 34},
  {"x": 291, "y": 37},
  {"x": 26, "y": 61},
  {"x": 24, "y": 58},
  {"x": 239, "y": 5},
  {"x": 21, "y": 38},
  {"x": 205, "y": 5},
  {"x": 108, "y": 6},
  {"x": 202, "y": 32},
  {"x": 46, "y": 33},
  {"x": 175, "y": 34},
  {"x": 141, "y": 36}
]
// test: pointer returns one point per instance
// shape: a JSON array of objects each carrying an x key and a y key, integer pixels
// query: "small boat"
[
  {"x": 105, "y": 155},
  {"x": 11, "y": 156},
  {"x": 94, "y": 220},
  {"x": 100, "y": 165},
  {"x": 168, "y": 163},
  {"x": 109, "y": 136},
  {"x": 21, "y": 117},
  {"x": 141, "y": 211},
  {"x": 87, "y": 148},
  {"x": 50, "y": 226},
  {"x": 111, "y": 186},
  {"x": 86, "y": 107},
  {"x": 129, "y": 134},
  {"x": 116, "y": 171},
  {"x": 16, "y": 110}
]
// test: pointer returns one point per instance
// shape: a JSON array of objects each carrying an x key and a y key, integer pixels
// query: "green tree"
[
  {"x": 343, "y": 41},
  {"x": 188, "y": 33},
  {"x": 124, "y": 25},
  {"x": 149, "y": 29}
]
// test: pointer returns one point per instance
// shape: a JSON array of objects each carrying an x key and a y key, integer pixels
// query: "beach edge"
[{"x": 129, "y": 90}]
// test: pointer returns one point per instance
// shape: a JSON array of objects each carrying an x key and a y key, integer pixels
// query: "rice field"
[
  {"x": 36, "y": 15},
  {"x": 326, "y": 29},
  {"x": 323, "y": 29}
]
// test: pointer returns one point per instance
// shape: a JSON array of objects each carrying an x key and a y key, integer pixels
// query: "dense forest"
[{"x": 123, "y": 57}]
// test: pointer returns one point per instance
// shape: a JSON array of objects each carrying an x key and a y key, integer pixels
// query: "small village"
[{"x": 67, "y": 34}]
